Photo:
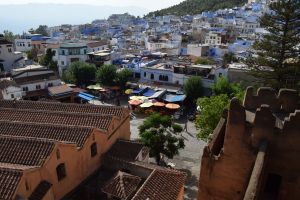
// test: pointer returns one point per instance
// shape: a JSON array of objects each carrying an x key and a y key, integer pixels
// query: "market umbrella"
[
  {"x": 134, "y": 98},
  {"x": 159, "y": 104},
  {"x": 142, "y": 98},
  {"x": 135, "y": 102},
  {"x": 128, "y": 91},
  {"x": 146, "y": 105},
  {"x": 94, "y": 87},
  {"x": 172, "y": 106}
]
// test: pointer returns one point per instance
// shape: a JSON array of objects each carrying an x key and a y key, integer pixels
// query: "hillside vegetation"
[{"x": 192, "y": 7}]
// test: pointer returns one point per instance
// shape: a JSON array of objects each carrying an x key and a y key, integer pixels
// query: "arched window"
[
  {"x": 61, "y": 171},
  {"x": 152, "y": 76},
  {"x": 94, "y": 149}
]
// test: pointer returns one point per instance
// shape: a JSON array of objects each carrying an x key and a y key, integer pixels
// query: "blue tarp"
[
  {"x": 174, "y": 98},
  {"x": 149, "y": 93},
  {"x": 86, "y": 96},
  {"x": 137, "y": 91}
]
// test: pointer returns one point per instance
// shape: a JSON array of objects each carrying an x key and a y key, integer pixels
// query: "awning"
[
  {"x": 174, "y": 98},
  {"x": 139, "y": 90},
  {"x": 86, "y": 96},
  {"x": 157, "y": 94},
  {"x": 149, "y": 93}
]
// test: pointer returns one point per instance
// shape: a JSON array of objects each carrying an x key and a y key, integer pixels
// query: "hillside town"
[{"x": 153, "y": 108}]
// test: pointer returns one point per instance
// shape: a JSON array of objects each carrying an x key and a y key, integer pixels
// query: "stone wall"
[{"x": 265, "y": 116}]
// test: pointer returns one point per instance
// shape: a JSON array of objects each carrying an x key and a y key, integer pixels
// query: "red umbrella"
[{"x": 135, "y": 102}]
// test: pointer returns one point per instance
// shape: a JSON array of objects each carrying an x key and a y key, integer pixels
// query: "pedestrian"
[{"x": 185, "y": 126}]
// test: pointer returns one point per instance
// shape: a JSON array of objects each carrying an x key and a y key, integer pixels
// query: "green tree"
[
  {"x": 211, "y": 112},
  {"x": 161, "y": 135},
  {"x": 8, "y": 35},
  {"x": 46, "y": 59},
  {"x": 223, "y": 86},
  {"x": 204, "y": 61},
  {"x": 107, "y": 75},
  {"x": 193, "y": 88},
  {"x": 278, "y": 49},
  {"x": 123, "y": 77},
  {"x": 213, "y": 107},
  {"x": 42, "y": 29},
  {"x": 229, "y": 58},
  {"x": 80, "y": 73},
  {"x": 32, "y": 54}
]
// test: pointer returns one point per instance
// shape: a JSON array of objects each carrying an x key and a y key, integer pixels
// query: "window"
[
  {"x": 94, "y": 149},
  {"x": 272, "y": 186},
  {"x": 62, "y": 63},
  {"x": 84, "y": 51},
  {"x": 220, "y": 74},
  {"x": 9, "y": 50},
  {"x": 152, "y": 76},
  {"x": 57, "y": 154},
  {"x": 25, "y": 89},
  {"x": 12, "y": 96},
  {"x": 50, "y": 84},
  {"x": 61, "y": 171},
  {"x": 63, "y": 52},
  {"x": 145, "y": 74},
  {"x": 38, "y": 87},
  {"x": 26, "y": 185}
]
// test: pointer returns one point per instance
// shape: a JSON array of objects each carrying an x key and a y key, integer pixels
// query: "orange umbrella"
[
  {"x": 159, "y": 104},
  {"x": 135, "y": 102},
  {"x": 172, "y": 106}
]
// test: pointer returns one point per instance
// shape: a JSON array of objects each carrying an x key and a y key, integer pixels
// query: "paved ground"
[{"x": 189, "y": 158}]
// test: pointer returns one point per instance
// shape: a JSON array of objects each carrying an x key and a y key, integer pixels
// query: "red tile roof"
[
  {"x": 56, "y": 90},
  {"x": 64, "y": 107},
  {"x": 122, "y": 186},
  {"x": 125, "y": 150},
  {"x": 24, "y": 151},
  {"x": 97, "y": 43},
  {"x": 162, "y": 185},
  {"x": 9, "y": 181},
  {"x": 61, "y": 133},
  {"x": 60, "y": 118}
]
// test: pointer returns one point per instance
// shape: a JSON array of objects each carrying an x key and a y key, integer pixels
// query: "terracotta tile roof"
[
  {"x": 60, "y": 118},
  {"x": 24, "y": 151},
  {"x": 125, "y": 150},
  {"x": 40, "y": 191},
  {"x": 97, "y": 43},
  {"x": 9, "y": 181},
  {"x": 64, "y": 107},
  {"x": 122, "y": 186},
  {"x": 162, "y": 185},
  {"x": 56, "y": 90},
  {"x": 60, "y": 133},
  {"x": 36, "y": 78}
]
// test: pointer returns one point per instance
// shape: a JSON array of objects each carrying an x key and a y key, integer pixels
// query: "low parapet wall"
[{"x": 286, "y": 100}]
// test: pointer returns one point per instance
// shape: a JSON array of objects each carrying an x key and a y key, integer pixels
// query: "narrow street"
[{"x": 188, "y": 159}]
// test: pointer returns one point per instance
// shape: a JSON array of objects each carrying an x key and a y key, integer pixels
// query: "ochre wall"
[{"x": 78, "y": 162}]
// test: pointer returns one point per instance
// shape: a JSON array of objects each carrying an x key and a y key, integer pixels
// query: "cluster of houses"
[{"x": 157, "y": 49}]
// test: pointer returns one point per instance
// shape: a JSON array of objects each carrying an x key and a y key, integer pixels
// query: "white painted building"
[
  {"x": 9, "y": 90},
  {"x": 23, "y": 45},
  {"x": 213, "y": 38},
  {"x": 68, "y": 53},
  {"x": 9, "y": 59},
  {"x": 197, "y": 50},
  {"x": 35, "y": 78}
]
